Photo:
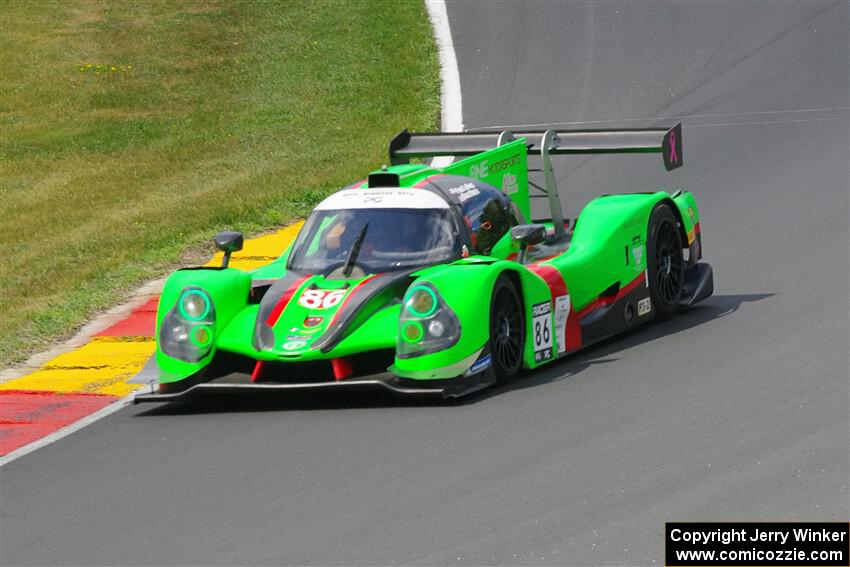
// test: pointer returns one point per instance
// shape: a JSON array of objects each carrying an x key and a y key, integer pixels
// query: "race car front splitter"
[{"x": 382, "y": 383}]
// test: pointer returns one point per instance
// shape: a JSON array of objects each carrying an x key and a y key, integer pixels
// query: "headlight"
[
  {"x": 194, "y": 304},
  {"x": 201, "y": 335},
  {"x": 187, "y": 332},
  {"x": 412, "y": 332},
  {"x": 427, "y": 324},
  {"x": 436, "y": 328},
  {"x": 179, "y": 332},
  {"x": 422, "y": 302}
]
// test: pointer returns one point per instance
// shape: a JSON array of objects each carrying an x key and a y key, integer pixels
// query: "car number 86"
[
  {"x": 542, "y": 334},
  {"x": 320, "y": 298}
]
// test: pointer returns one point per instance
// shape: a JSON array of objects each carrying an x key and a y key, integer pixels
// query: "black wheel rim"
[
  {"x": 505, "y": 331},
  {"x": 668, "y": 263}
]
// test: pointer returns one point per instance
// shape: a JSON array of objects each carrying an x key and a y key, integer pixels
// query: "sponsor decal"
[
  {"x": 562, "y": 311},
  {"x": 504, "y": 164},
  {"x": 381, "y": 198},
  {"x": 674, "y": 157},
  {"x": 294, "y": 345},
  {"x": 299, "y": 334},
  {"x": 541, "y": 331},
  {"x": 637, "y": 254},
  {"x": 464, "y": 192},
  {"x": 479, "y": 170},
  {"x": 644, "y": 306},
  {"x": 481, "y": 364},
  {"x": 509, "y": 184},
  {"x": 321, "y": 298},
  {"x": 297, "y": 337},
  {"x": 484, "y": 169},
  {"x": 541, "y": 309}
]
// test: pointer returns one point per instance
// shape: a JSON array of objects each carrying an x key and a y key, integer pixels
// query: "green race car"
[{"x": 431, "y": 281}]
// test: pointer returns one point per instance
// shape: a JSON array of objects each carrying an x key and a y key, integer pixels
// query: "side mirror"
[
  {"x": 228, "y": 241},
  {"x": 527, "y": 234}
]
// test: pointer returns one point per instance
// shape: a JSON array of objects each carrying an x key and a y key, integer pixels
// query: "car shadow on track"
[
  {"x": 600, "y": 353},
  {"x": 714, "y": 308}
]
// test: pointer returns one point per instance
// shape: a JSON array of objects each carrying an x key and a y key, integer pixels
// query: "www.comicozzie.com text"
[{"x": 726, "y": 536}]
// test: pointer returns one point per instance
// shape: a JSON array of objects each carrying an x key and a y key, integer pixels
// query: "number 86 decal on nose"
[{"x": 321, "y": 298}]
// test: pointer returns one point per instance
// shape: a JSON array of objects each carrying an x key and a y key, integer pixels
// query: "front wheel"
[
  {"x": 507, "y": 329},
  {"x": 665, "y": 262}
]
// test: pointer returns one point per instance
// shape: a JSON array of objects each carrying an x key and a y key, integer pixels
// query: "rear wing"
[{"x": 666, "y": 141}]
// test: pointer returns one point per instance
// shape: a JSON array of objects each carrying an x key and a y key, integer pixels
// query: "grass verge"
[{"x": 131, "y": 132}]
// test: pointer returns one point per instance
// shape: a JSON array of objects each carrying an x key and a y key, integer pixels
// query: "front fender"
[
  {"x": 686, "y": 206},
  {"x": 466, "y": 287},
  {"x": 228, "y": 289}
]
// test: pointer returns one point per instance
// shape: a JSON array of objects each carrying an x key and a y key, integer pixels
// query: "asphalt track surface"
[{"x": 736, "y": 410}]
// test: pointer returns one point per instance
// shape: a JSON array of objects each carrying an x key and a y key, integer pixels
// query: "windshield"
[{"x": 395, "y": 239}]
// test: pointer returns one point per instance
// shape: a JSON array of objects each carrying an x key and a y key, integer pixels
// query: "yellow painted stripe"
[
  {"x": 98, "y": 367},
  {"x": 261, "y": 250}
]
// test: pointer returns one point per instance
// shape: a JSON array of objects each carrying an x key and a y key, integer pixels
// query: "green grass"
[{"x": 131, "y": 132}]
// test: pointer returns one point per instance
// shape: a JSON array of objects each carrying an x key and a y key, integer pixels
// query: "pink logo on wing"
[{"x": 674, "y": 157}]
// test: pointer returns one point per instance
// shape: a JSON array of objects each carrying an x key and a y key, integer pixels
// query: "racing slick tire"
[
  {"x": 507, "y": 329},
  {"x": 665, "y": 261}
]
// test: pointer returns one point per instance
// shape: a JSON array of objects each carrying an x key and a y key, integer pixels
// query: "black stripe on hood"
[{"x": 263, "y": 333}]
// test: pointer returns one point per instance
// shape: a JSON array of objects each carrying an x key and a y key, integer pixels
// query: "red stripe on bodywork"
[
  {"x": 557, "y": 288},
  {"x": 552, "y": 277},
  {"x": 606, "y": 301},
  {"x": 632, "y": 285},
  {"x": 696, "y": 228},
  {"x": 428, "y": 179},
  {"x": 284, "y": 300},
  {"x": 594, "y": 305}
]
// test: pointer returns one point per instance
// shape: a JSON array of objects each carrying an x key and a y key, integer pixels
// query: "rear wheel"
[
  {"x": 665, "y": 262},
  {"x": 507, "y": 329}
]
